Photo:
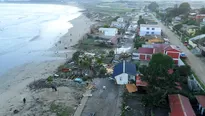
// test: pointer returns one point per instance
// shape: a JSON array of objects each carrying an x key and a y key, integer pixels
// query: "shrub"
[{"x": 50, "y": 79}]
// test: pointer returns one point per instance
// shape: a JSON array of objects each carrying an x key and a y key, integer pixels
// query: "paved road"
[
  {"x": 196, "y": 64},
  {"x": 104, "y": 102}
]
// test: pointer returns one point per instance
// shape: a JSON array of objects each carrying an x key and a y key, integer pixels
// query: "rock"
[{"x": 15, "y": 111}]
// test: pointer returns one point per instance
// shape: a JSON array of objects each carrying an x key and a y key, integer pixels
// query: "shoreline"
[{"x": 16, "y": 88}]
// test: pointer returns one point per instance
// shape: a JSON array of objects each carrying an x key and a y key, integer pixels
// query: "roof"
[
  {"x": 159, "y": 48},
  {"x": 172, "y": 48},
  {"x": 131, "y": 88},
  {"x": 197, "y": 37},
  {"x": 149, "y": 25},
  {"x": 124, "y": 67},
  {"x": 180, "y": 106},
  {"x": 201, "y": 15},
  {"x": 201, "y": 100},
  {"x": 145, "y": 50},
  {"x": 108, "y": 29}
]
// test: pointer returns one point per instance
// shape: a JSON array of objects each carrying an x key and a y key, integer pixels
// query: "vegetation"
[
  {"x": 184, "y": 70},
  {"x": 111, "y": 53},
  {"x": 183, "y": 9},
  {"x": 50, "y": 79},
  {"x": 106, "y": 26},
  {"x": 153, "y": 6},
  {"x": 138, "y": 43},
  {"x": 75, "y": 56},
  {"x": 177, "y": 27},
  {"x": 160, "y": 83},
  {"x": 61, "y": 110},
  {"x": 141, "y": 21},
  {"x": 190, "y": 22},
  {"x": 160, "y": 59},
  {"x": 202, "y": 10}
]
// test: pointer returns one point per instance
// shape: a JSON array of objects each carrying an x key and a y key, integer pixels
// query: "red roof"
[
  {"x": 145, "y": 50},
  {"x": 159, "y": 48},
  {"x": 180, "y": 106},
  {"x": 172, "y": 48},
  {"x": 201, "y": 100}
]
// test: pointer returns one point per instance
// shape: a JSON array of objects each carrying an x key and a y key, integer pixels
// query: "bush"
[{"x": 50, "y": 79}]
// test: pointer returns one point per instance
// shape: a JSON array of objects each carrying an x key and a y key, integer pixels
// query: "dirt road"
[
  {"x": 196, "y": 64},
  {"x": 104, "y": 102}
]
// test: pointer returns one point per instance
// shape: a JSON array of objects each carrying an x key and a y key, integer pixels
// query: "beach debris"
[
  {"x": 79, "y": 80},
  {"x": 15, "y": 111},
  {"x": 65, "y": 69},
  {"x": 24, "y": 100},
  {"x": 56, "y": 75},
  {"x": 127, "y": 108},
  {"x": 104, "y": 87},
  {"x": 87, "y": 95}
]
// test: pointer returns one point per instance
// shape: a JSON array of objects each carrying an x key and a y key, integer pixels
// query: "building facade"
[{"x": 146, "y": 29}]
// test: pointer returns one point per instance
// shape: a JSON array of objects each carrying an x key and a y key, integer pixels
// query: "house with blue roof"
[{"x": 124, "y": 72}]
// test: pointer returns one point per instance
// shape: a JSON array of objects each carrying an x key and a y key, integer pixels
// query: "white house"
[
  {"x": 118, "y": 25},
  {"x": 120, "y": 20},
  {"x": 124, "y": 73},
  {"x": 147, "y": 29},
  {"x": 109, "y": 31}
]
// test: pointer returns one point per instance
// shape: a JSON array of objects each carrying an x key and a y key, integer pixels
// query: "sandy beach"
[{"x": 13, "y": 92}]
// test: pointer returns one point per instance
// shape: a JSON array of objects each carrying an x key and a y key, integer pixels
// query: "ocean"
[{"x": 28, "y": 30}]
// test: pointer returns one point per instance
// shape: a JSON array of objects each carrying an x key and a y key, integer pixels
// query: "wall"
[
  {"x": 122, "y": 79},
  {"x": 144, "y": 30}
]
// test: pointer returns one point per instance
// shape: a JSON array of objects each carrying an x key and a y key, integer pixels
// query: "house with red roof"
[
  {"x": 145, "y": 53},
  {"x": 180, "y": 106}
]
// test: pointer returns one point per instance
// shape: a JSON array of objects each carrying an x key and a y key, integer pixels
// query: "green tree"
[
  {"x": 190, "y": 22},
  {"x": 111, "y": 53},
  {"x": 160, "y": 59},
  {"x": 153, "y": 6},
  {"x": 177, "y": 27},
  {"x": 141, "y": 21},
  {"x": 184, "y": 8},
  {"x": 160, "y": 84},
  {"x": 202, "y": 10},
  {"x": 202, "y": 30},
  {"x": 106, "y": 26},
  {"x": 75, "y": 56},
  {"x": 85, "y": 62},
  {"x": 184, "y": 70},
  {"x": 138, "y": 43},
  {"x": 103, "y": 70}
]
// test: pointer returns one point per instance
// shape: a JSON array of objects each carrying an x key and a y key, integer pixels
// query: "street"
[
  {"x": 104, "y": 102},
  {"x": 196, "y": 64}
]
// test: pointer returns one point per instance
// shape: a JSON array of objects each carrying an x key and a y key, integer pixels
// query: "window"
[
  {"x": 147, "y": 32},
  {"x": 153, "y": 28},
  {"x": 147, "y": 28},
  {"x": 152, "y": 33}
]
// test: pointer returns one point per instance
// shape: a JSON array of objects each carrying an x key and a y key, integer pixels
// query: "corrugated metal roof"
[
  {"x": 180, "y": 106},
  {"x": 124, "y": 67}
]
